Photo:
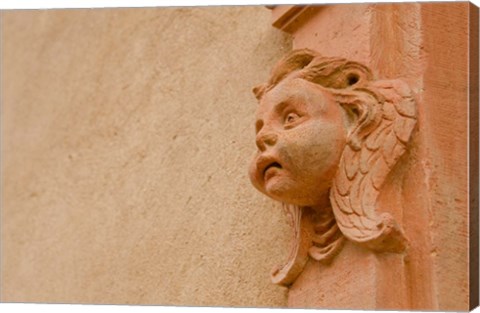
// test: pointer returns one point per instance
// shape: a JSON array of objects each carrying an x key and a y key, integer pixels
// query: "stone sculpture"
[{"x": 328, "y": 134}]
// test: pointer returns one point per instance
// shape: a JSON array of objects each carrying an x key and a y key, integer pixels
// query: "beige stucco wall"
[{"x": 126, "y": 135}]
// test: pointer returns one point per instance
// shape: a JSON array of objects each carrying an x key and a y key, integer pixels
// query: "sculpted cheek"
[
  {"x": 322, "y": 152},
  {"x": 333, "y": 143},
  {"x": 290, "y": 150}
]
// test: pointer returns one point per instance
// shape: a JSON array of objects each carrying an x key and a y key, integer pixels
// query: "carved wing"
[{"x": 364, "y": 166}]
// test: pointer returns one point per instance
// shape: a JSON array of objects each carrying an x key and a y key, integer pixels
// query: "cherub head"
[
  {"x": 307, "y": 113},
  {"x": 328, "y": 135}
]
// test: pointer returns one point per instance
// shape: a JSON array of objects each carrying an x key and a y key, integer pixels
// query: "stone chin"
[{"x": 279, "y": 186}]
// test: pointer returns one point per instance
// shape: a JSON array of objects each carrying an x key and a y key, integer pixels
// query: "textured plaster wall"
[{"x": 126, "y": 135}]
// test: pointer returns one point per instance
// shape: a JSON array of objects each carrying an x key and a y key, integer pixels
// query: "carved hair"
[
  {"x": 345, "y": 80},
  {"x": 334, "y": 73},
  {"x": 384, "y": 116}
]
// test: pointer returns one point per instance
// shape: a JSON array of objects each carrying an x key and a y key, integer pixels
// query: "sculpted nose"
[{"x": 265, "y": 139}]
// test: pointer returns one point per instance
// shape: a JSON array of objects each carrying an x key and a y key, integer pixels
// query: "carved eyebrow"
[
  {"x": 296, "y": 100},
  {"x": 281, "y": 106}
]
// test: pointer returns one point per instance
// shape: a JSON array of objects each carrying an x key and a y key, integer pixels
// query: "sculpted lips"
[{"x": 265, "y": 163}]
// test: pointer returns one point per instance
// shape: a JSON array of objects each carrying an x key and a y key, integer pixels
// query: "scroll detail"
[
  {"x": 298, "y": 256},
  {"x": 315, "y": 234}
]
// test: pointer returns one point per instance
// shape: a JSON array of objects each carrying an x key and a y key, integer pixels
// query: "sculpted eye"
[{"x": 291, "y": 118}]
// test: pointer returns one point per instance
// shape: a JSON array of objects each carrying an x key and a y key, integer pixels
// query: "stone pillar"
[{"x": 433, "y": 47}]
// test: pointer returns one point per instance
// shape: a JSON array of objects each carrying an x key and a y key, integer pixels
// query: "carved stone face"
[{"x": 300, "y": 135}]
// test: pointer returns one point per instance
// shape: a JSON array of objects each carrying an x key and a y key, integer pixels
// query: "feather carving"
[{"x": 362, "y": 172}]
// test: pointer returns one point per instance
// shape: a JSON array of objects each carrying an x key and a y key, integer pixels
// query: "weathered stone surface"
[
  {"x": 432, "y": 194},
  {"x": 124, "y": 154}
]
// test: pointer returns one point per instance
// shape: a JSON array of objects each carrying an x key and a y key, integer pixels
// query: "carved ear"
[
  {"x": 373, "y": 149},
  {"x": 362, "y": 108},
  {"x": 353, "y": 114},
  {"x": 258, "y": 91}
]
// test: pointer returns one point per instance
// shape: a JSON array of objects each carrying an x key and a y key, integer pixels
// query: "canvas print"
[{"x": 317, "y": 156}]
